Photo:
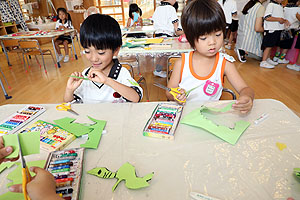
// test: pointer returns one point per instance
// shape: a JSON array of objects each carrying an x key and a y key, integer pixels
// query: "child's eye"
[
  {"x": 218, "y": 34},
  {"x": 202, "y": 38},
  {"x": 101, "y": 53},
  {"x": 86, "y": 52}
]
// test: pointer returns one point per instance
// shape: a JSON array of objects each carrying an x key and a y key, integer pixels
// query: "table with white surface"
[
  {"x": 31, "y": 35},
  {"x": 138, "y": 29},
  {"x": 196, "y": 160}
]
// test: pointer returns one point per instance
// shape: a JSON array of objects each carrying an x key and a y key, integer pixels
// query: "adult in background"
[{"x": 250, "y": 30}]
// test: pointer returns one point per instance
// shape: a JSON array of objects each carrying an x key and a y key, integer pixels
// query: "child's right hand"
[
  {"x": 281, "y": 20},
  {"x": 41, "y": 187},
  {"x": 97, "y": 76},
  {"x": 181, "y": 97},
  {"x": 74, "y": 83}
]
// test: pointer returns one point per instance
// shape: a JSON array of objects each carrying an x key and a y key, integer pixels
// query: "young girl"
[
  {"x": 101, "y": 38},
  {"x": 63, "y": 23},
  {"x": 203, "y": 69},
  {"x": 135, "y": 16}
]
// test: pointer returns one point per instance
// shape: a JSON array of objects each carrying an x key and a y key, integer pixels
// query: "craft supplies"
[
  {"x": 261, "y": 118},
  {"x": 19, "y": 119},
  {"x": 173, "y": 91},
  {"x": 66, "y": 107},
  {"x": 52, "y": 137},
  {"x": 67, "y": 172},
  {"x": 163, "y": 121}
]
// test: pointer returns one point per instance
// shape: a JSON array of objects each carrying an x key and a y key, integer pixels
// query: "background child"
[
  {"x": 290, "y": 14},
  {"x": 135, "y": 16},
  {"x": 203, "y": 22},
  {"x": 101, "y": 38},
  {"x": 273, "y": 25},
  {"x": 165, "y": 24},
  {"x": 64, "y": 22}
]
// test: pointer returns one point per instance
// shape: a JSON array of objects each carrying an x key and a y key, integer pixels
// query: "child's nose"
[
  {"x": 94, "y": 57},
  {"x": 212, "y": 40}
]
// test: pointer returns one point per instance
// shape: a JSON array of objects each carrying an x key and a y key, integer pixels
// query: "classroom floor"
[{"x": 36, "y": 87}]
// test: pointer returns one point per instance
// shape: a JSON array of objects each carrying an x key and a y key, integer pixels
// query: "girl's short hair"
[
  {"x": 101, "y": 32},
  {"x": 134, "y": 8},
  {"x": 201, "y": 17}
]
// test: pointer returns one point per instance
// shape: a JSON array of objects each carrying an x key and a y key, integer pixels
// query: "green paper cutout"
[
  {"x": 94, "y": 131},
  {"x": 12, "y": 196},
  {"x": 30, "y": 143},
  {"x": 297, "y": 172},
  {"x": 69, "y": 125},
  {"x": 6, "y": 165},
  {"x": 95, "y": 134},
  {"x": 127, "y": 173},
  {"x": 80, "y": 78},
  {"x": 230, "y": 135},
  {"x": 16, "y": 175},
  {"x": 133, "y": 83},
  {"x": 130, "y": 45}
]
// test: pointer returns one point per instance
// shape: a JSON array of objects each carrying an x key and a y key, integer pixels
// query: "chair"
[
  {"x": 70, "y": 46},
  {"x": 140, "y": 80},
  {"x": 170, "y": 66},
  {"x": 12, "y": 46},
  {"x": 32, "y": 48}
]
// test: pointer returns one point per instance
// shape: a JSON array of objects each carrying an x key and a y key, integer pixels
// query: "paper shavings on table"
[
  {"x": 16, "y": 177},
  {"x": 280, "y": 146},
  {"x": 30, "y": 143},
  {"x": 230, "y": 135},
  {"x": 127, "y": 173},
  {"x": 94, "y": 131},
  {"x": 6, "y": 165}
]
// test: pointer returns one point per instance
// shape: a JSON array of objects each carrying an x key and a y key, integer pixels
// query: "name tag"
[{"x": 210, "y": 88}]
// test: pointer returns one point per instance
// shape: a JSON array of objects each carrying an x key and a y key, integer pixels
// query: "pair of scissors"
[
  {"x": 66, "y": 107},
  {"x": 173, "y": 91},
  {"x": 26, "y": 178}
]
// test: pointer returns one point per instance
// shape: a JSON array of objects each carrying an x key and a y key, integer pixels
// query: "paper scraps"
[
  {"x": 94, "y": 131},
  {"x": 6, "y": 165},
  {"x": 30, "y": 143},
  {"x": 280, "y": 146},
  {"x": 127, "y": 173},
  {"x": 230, "y": 135}
]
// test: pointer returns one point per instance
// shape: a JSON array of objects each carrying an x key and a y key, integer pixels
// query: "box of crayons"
[
  {"x": 19, "y": 119},
  {"x": 66, "y": 167},
  {"x": 163, "y": 121},
  {"x": 53, "y": 138}
]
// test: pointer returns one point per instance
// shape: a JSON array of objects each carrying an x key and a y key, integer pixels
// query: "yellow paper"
[
  {"x": 154, "y": 40},
  {"x": 280, "y": 146}
]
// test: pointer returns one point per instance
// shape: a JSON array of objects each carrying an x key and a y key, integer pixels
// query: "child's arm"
[
  {"x": 141, "y": 21},
  {"x": 125, "y": 91},
  {"x": 298, "y": 16},
  {"x": 42, "y": 187},
  {"x": 276, "y": 19},
  {"x": 245, "y": 102},
  {"x": 128, "y": 23},
  {"x": 178, "y": 32},
  {"x": 174, "y": 82},
  {"x": 72, "y": 85}
]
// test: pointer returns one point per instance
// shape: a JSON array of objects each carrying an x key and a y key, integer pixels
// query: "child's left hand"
[
  {"x": 243, "y": 104},
  {"x": 97, "y": 76}
]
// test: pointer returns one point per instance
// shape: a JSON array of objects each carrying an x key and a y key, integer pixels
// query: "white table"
[
  {"x": 195, "y": 161},
  {"x": 138, "y": 29},
  {"x": 42, "y": 27},
  {"x": 31, "y": 35}
]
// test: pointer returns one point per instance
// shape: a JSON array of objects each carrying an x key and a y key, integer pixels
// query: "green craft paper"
[
  {"x": 69, "y": 125},
  {"x": 12, "y": 196},
  {"x": 80, "y": 78},
  {"x": 6, "y": 165},
  {"x": 127, "y": 173},
  {"x": 30, "y": 143},
  {"x": 230, "y": 135},
  {"x": 95, "y": 134}
]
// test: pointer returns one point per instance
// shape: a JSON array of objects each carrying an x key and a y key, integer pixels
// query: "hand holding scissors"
[
  {"x": 26, "y": 178},
  {"x": 66, "y": 107},
  {"x": 173, "y": 91}
]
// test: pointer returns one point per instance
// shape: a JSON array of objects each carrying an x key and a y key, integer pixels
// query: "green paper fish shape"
[{"x": 127, "y": 173}]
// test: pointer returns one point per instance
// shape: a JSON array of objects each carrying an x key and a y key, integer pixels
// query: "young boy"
[
  {"x": 166, "y": 23},
  {"x": 274, "y": 23},
  {"x": 100, "y": 36}
]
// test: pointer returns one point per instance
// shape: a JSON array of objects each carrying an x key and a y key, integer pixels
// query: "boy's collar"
[
  {"x": 291, "y": 5},
  {"x": 164, "y": 3},
  {"x": 114, "y": 71},
  {"x": 272, "y": 1}
]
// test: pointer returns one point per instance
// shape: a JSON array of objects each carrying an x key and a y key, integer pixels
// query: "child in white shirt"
[{"x": 101, "y": 38}]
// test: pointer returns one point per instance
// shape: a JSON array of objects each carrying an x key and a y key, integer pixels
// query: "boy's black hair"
[
  {"x": 101, "y": 32},
  {"x": 202, "y": 17},
  {"x": 292, "y": 2},
  {"x": 249, "y": 5},
  {"x": 64, "y": 11},
  {"x": 134, "y": 8}
]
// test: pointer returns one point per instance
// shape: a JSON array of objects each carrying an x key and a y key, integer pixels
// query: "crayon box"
[
  {"x": 66, "y": 167},
  {"x": 163, "y": 121},
  {"x": 19, "y": 119}
]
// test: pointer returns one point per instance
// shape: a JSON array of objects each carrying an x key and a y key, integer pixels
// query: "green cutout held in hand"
[{"x": 127, "y": 173}]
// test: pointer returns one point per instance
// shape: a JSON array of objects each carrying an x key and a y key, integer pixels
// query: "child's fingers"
[{"x": 16, "y": 188}]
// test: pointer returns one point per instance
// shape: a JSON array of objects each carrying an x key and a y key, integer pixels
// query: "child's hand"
[
  {"x": 287, "y": 23},
  {"x": 5, "y": 151},
  {"x": 97, "y": 76},
  {"x": 281, "y": 20},
  {"x": 61, "y": 28},
  {"x": 243, "y": 104},
  {"x": 181, "y": 96},
  {"x": 74, "y": 83},
  {"x": 41, "y": 187}
]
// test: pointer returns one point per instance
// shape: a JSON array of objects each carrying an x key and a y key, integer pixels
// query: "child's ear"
[{"x": 116, "y": 52}]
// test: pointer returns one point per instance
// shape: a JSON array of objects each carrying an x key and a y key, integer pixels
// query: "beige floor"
[{"x": 37, "y": 87}]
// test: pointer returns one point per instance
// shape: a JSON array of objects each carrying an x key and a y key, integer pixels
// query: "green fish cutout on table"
[{"x": 127, "y": 173}]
